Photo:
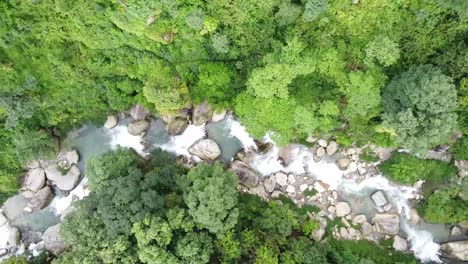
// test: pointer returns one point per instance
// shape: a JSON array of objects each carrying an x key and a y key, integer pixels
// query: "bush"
[
  {"x": 34, "y": 144},
  {"x": 460, "y": 148},
  {"x": 406, "y": 169},
  {"x": 445, "y": 207}
]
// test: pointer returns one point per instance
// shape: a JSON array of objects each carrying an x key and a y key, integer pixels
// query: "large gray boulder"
[
  {"x": 399, "y": 243},
  {"x": 177, "y": 126},
  {"x": 138, "y": 127},
  {"x": 111, "y": 121},
  {"x": 35, "y": 179},
  {"x": 52, "y": 240},
  {"x": 343, "y": 163},
  {"x": 332, "y": 148},
  {"x": 458, "y": 249},
  {"x": 205, "y": 149},
  {"x": 65, "y": 182},
  {"x": 67, "y": 157},
  {"x": 245, "y": 174},
  {"x": 386, "y": 223},
  {"x": 379, "y": 198},
  {"x": 269, "y": 183},
  {"x": 138, "y": 112},
  {"x": 202, "y": 113},
  {"x": 342, "y": 209},
  {"x": 41, "y": 199}
]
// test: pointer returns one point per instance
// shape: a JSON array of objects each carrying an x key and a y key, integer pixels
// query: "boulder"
[
  {"x": 303, "y": 187},
  {"x": 458, "y": 249},
  {"x": 322, "y": 143},
  {"x": 205, "y": 149},
  {"x": 3, "y": 252},
  {"x": 245, "y": 174},
  {"x": 291, "y": 179},
  {"x": 177, "y": 126},
  {"x": 342, "y": 209},
  {"x": 14, "y": 236},
  {"x": 344, "y": 233},
  {"x": 52, "y": 240},
  {"x": 168, "y": 118},
  {"x": 66, "y": 158},
  {"x": 320, "y": 186},
  {"x": 35, "y": 179},
  {"x": 202, "y": 113},
  {"x": 245, "y": 156},
  {"x": 65, "y": 182},
  {"x": 281, "y": 178},
  {"x": 386, "y": 223},
  {"x": 218, "y": 116},
  {"x": 379, "y": 198},
  {"x": 332, "y": 148},
  {"x": 138, "y": 112},
  {"x": 359, "y": 219},
  {"x": 455, "y": 231},
  {"x": 399, "y": 243},
  {"x": 269, "y": 184},
  {"x": 111, "y": 121},
  {"x": 320, "y": 152},
  {"x": 138, "y": 127},
  {"x": 290, "y": 189},
  {"x": 264, "y": 148},
  {"x": 343, "y": 163},
  {"x": 3, "y": 219},
  {"x": 185, "y": 113},
  {"x": 366, "y": 229},
  {"x": 41, "y": 199}
]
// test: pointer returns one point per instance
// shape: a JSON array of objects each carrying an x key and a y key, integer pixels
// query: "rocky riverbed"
[{"x": 336, "y": 180}]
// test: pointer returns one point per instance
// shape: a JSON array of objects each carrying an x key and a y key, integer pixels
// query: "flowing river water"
[{"x": 232, "y": 137}]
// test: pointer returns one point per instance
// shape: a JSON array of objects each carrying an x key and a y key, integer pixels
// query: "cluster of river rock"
[{"x": 335, "y": 180}]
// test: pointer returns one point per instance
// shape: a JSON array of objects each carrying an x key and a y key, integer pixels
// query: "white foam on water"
[
  {"x": 120, "y": 137},
  {"x": 422, "y": 244},
  {"x": 180, "y": 144},
  {"x": 237, "y": 130},
  {"x": 60, "y": 204}
]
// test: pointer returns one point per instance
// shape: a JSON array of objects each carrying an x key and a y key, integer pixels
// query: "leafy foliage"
[
  {"x": 460, "y": 148},
  {"x": 34, "y": 144},
  {"x": 211, "y": 197},
  {"x": 406, "y": 169},
  {"x": 445, "y": 206}
]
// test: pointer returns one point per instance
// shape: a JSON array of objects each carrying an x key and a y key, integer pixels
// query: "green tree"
[
  {"x": 165, "y": 90},
  {"x": 383, "y": 50},
  {"x": 419, "y": 106},
  {"x": 211, "y": 196},
  {"x": 314, "y": 8},
  {"x": 214, "y": 84},
  {"x": 103, "y": 169}
]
